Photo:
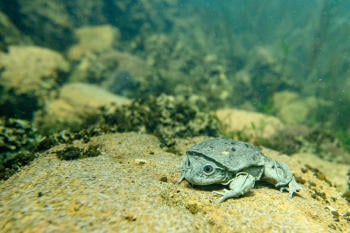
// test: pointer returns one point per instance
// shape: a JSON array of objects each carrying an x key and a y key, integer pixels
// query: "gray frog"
[{"x": 236, "y": 164}]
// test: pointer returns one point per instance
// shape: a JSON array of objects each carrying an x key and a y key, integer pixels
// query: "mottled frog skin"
[{"x": 236, "y": 164}]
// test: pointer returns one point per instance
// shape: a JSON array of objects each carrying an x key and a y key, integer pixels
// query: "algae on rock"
[
  {"x": 18, "y": 141},
  {"x": 167, "y": 117}
]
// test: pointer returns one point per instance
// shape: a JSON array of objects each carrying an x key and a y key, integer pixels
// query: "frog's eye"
[
  {"x": 208, "y": 169},
  {"x": 188, "y": 163}
]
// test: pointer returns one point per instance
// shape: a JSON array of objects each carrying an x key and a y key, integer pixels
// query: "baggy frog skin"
[{"x": 236, "y": 164}]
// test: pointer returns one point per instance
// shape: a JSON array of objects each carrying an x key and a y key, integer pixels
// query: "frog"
[{"x": 235, "y": 164}]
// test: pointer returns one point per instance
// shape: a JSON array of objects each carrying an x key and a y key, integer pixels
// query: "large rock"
[
  {"x": 86, "y": 96},
  {"x": 335, "y": 172},
  {"x": 252, "y": 125},
  {"x": 131, "y": 187},
  {"x": 293, "y": 109},
  {"x": 119, "y": 72},
  {"x": 93, "y": 39},
  {"x": 29, "y": 74},
  {"x": 76, "y": 102},
  {"x": 29, "y": 68}
]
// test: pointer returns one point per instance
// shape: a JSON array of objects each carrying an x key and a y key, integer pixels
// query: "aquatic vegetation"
[
  {"x": 167, "y": 117},
  {"x": 9, "y": 33},
  {"x": 17, "y": 145},
  {"x": 323, "y": 143},
  {"x": 74, "y": 152}
]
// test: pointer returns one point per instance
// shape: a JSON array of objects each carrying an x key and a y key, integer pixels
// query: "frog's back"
[{"x": 234, "y": 155}]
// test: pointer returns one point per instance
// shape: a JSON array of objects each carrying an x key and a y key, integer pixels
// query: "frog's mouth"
[
  {"x": 185, "y": 166},
  {"x": 183, "y": 177},
  {"x": 186, "y": 176},
  {"x": 193, "y": 178}
]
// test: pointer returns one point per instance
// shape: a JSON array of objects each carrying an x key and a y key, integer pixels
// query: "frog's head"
[{"x": 199, "y": 170}]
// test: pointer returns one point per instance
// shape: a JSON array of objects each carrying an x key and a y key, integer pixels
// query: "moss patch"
[
  {"x": 17, "y": 143},
  {"x": 73, "y": 152},
  {"x": 167, "y": 117}
]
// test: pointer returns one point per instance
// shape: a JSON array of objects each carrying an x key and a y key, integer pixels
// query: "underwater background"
[
  {"x": 273, "y": 73},
  {"x": 288, "y": 59}
]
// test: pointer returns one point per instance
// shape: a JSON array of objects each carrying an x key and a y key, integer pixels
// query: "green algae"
[
  {"x": 167, "y": 117},
  {"x": 17, "y": 145},
  {"x": 74, "y": 152}
]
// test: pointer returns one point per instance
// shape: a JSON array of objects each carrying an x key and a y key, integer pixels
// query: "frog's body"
[{"x": 234, "y": 163}]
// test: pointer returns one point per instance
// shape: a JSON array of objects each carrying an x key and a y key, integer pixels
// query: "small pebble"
[
  {"x": 140, "y": 161},
  {"x": 164, "y": 179},
  {"x": 334, "y": 213}
]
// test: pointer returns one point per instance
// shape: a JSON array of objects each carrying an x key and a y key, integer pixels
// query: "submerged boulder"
[
  {"x": 29, "y": 74},
  {"x": 75, "y": 104},
  {"x": 93, "y": 39},
  {"x": 250, "y": 125},
  {"x": 295, "y": 110},
  {"x": 131, "y": 187}
]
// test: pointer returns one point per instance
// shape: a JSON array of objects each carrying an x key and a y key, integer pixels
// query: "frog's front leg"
[{"x": 238, "y": 186}]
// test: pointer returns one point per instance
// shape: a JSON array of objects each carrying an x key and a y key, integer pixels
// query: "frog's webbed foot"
[
  {"x": 293, "y": 187},
  {"x": 239, "y": 185},
  {"x": 223, "y": 194}
]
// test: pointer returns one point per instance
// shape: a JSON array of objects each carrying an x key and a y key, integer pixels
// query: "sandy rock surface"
[
  {"x": 336, "y": 172},
  {"x": 131, "y": 187}
]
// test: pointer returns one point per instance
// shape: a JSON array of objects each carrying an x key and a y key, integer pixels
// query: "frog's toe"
[
  {"x": 290, "y": 190},
  {"x": 294, "y": 187},
  {"x": 223, "y": 198},
  {"x": 294, "y": 190},
  {"x": 225, "y": 195},
  {"x": 220, "y": 193}
]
